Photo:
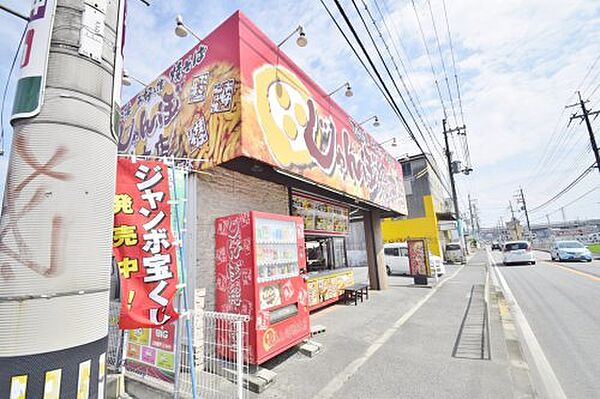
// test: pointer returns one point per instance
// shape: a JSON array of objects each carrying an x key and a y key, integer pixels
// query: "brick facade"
[{"x": 225, "y": 192}]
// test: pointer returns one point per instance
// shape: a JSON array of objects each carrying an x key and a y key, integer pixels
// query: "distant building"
[
  {"x": 514, "y": 230},
  {"x": 430, "y": 214}
]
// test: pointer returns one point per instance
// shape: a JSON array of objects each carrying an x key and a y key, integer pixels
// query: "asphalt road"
[{"x": 561, "y": 302}]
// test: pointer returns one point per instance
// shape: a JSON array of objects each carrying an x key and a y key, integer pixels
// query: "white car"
[
  {"x": 396, "y": 259},
  {"x": 570, "y": 250},
  {"x": 517, "y": 252}
]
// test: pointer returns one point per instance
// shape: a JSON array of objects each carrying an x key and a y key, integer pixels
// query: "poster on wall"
[
  {"x": 320, "y": 216},
  {"x": 151, "y": 351},
  {"x": 143, "y": 244},
  {"x": 418, "y": 257}
]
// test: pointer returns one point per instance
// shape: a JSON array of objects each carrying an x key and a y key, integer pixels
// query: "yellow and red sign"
[
  {"x": 237, "y": 95},
  {"x": 143, "y": 244}
]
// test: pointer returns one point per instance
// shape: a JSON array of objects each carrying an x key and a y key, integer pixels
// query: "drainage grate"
[{"x": 473, "y": 340}]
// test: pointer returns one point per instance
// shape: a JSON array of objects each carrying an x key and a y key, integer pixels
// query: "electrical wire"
[
  {"x": 430, "y": 59},
  {"x": 391, "y": 101},
  {"x": 437, "y": 39},
  {"x": 565, "y": 190},
  {"x": 399, "y": 74},
  {"x": 462, "y": 117}
]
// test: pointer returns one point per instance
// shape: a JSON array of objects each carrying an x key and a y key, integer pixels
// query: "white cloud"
[{"x": 519, "y": 63}]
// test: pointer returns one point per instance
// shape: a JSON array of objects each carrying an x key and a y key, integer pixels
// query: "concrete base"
[
  {"x": 317, "y": 330},
  {"x": 310, "y": 348},
  {"x": 260, "y": 379},
  {"x": 115, "y": 387},
  {"x": 138, "y": 389}
]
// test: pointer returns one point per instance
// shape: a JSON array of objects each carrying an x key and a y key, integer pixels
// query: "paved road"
[
  {"x": 405, "y": 342},
  {"x": 561, "y": 302}
]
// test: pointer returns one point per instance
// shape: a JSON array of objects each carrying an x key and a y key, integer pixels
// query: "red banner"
[{"x": 143, "y": 244}]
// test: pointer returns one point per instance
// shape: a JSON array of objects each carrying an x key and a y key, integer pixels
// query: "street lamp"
[
  {"x": 375, "y": 121},
  {"x": 348, "y": 91},
  {"x": 182, "y": 30},
  {"x": 392, "y": 142},
  {"x": 126, "y": 79},
  {"x": 301, "y": 40}
]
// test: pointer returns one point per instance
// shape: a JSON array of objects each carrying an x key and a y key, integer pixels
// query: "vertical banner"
[
  {"x": 418, "y": 258},
  {"x": 143, "y": 244},
  {"x": 34, "y": 60}
]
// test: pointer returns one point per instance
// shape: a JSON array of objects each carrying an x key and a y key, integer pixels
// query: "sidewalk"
[{"x": 376, "y": 350}]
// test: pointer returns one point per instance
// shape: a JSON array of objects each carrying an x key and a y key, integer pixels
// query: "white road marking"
[
  {"x": 338, "y": 381},
  {"x": 546, "y": 373}
]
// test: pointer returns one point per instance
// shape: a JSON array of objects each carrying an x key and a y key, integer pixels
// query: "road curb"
[{"x": 521, "y": 341}]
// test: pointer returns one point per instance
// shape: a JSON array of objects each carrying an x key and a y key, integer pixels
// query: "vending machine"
[{"x": 260, "y": 261}]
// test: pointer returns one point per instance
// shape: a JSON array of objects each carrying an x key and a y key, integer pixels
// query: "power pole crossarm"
[{"x": 585, "y": 115}]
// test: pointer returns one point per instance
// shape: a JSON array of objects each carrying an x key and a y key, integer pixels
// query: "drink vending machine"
[{"x": 260, "y": 261}]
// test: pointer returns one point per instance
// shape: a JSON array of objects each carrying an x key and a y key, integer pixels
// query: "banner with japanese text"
[{"x": 143, "y": 244}]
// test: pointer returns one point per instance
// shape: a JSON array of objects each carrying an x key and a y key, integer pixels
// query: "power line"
[
  {"x": 430, "y": 60},
  {"x": 437, "y": 39},
  {"x": 566, "y": 189},
  {"x": 384, "y": 89},
  {"x": 410, "y": 97},
  {"x": 462, "y": 117}
]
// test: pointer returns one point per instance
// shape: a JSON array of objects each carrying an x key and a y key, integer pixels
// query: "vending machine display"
[{"x": 259, "y": 259}]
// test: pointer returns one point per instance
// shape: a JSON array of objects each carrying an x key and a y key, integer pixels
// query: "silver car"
[
  {"x": 570, "y": 250},
  {"x": 454, "y": 253}
]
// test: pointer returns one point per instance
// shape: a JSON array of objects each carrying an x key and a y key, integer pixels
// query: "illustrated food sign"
[
  {"x": 321, "y": 217},
  {"x": 152, "y": 350},
  {"x": 418, "y": 258},
  {"x": 322, "y": 289},
  {"x": 192, "y": 109},
  {"x": 236, "y": 94},
  {"x": 143, "y": 244}
]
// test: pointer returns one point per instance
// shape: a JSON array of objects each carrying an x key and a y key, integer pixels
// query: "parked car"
[
  {"x": 496, "y": 246},
  {"x": 454, "y": 253},
  {"x": 518, "y": 252},
  {"x": 570, "y": 250},
  {"x": 396, "y": 259}
]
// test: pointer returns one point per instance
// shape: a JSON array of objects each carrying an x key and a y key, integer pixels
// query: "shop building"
[
  {"x": 429, "y": 213},
  {"x": 262, "y": 136}
]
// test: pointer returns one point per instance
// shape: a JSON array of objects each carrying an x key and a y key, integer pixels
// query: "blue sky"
[{"x": 518, "y": 62}]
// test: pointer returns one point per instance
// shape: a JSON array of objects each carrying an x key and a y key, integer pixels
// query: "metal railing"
[{"x": 219, "y": 352}]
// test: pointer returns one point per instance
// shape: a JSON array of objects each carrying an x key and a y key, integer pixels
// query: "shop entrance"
[
  {"x": 327, "y": 228},
  {"x": 325, "y": 253}
]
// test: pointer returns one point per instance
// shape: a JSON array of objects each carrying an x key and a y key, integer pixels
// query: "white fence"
[{"x": 216, "y": 366}]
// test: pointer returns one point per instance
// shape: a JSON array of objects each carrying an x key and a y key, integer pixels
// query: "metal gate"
[{"x": 215, "y": 366}]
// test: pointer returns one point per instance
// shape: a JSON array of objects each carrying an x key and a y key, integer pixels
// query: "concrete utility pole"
[
  {"x": 57, "y": 215},
  {"x": 521, "y": 201},
  {"x": 513, "y": 220},
  {"x": 471, "y": 214},
  {"x": 564, "y": 217},
  {"x": 451, "y": 172},
  {"x": 585, "y": 115}
]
